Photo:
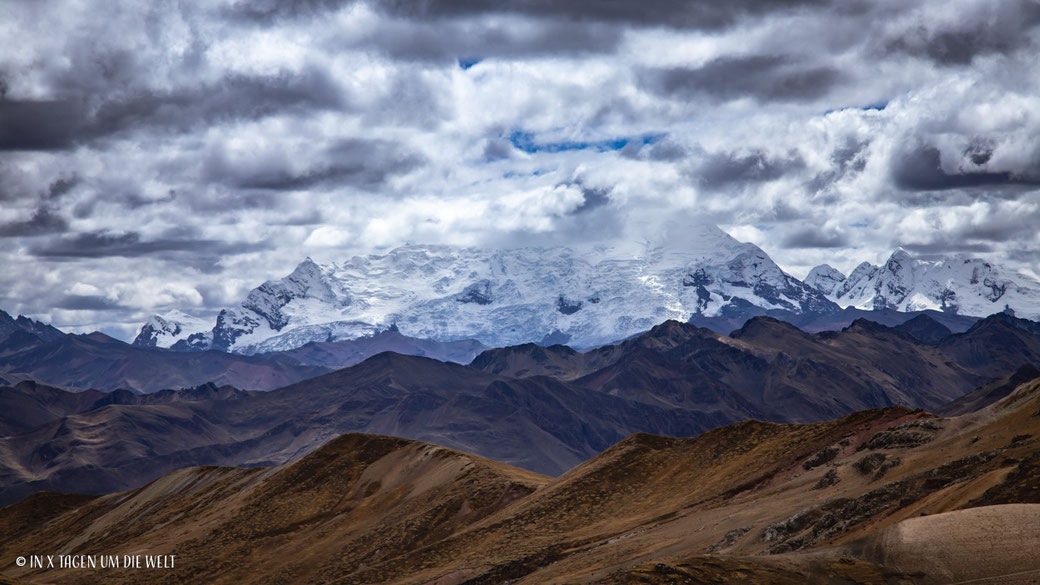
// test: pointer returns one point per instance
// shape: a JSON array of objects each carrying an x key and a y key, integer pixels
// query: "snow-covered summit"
[
  {"x": 958, "y": 284},
  {"x": 825, "y": 278},
  {"x": 583, "y": 296},
  {"x": 167, "y": 329}
]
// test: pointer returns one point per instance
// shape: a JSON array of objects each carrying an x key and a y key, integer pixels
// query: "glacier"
[
  {"x": 956, "y": 284},
  {"x": 582, "y": 295}
]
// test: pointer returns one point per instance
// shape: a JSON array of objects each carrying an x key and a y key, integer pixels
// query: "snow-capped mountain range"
[
  {"x": 582, "y": 297},
  {"x": 967, "y": 286}
]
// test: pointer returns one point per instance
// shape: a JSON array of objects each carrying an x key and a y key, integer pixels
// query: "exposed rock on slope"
[
  {"x": 9, "y": 325},
  {"x": 582, "y": 297},
  {"x": 825, "y": 279},
  {"x": 967, "y": 286}
]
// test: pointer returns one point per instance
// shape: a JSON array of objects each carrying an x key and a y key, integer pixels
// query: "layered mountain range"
[
  {"x": 99, "y": 362},
  {"x": 541, "y": 408},
  {"x": 582, "y": 296},
  {"x": 966, "y": 286},
  {"x": 886, "y": 496}
]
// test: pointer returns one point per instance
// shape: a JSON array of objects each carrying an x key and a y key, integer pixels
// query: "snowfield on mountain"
[
  {"x": 582, "y": 297},
  {"x": 958, "y": 284}
]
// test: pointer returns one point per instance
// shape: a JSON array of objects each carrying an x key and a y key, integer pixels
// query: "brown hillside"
[
  {"x": 853, "y": 500},
  {"x": 349, "y": 507}
]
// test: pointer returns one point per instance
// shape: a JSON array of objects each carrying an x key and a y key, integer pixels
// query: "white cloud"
[{"x": 210, "y": 150}]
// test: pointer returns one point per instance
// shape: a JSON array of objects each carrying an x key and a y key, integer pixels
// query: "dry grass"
[{"x": 372, "y": 509}]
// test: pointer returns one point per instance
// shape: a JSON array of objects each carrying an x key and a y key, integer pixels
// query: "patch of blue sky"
[
  {"x": 525, "y": 141},
  {"x": 467, "y": 62},
  {"x": 518, "y": 174},
  {"x": 874, "y": 107}
]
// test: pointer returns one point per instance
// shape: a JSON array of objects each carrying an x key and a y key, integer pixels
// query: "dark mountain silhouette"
[
  {"x": 340, "y": 354},
  {"x": 989, "y": 393},
  {"x": 9, "y": 325},
  {"x": 815, "y": 322},
  {"x": 543, "y": 409},
  {"x": 770, "y": 369},
  {"x": 539, "y": 423},
  {"x": 925, "y": 329},
  {"x": 995, "y": 346},
  {"x": 98, "y": 361}
]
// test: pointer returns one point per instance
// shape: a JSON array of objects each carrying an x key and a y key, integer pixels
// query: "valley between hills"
[
  {"x": 545, "y": 409},
  {"x": 889, "y": 495},
  {"x": 471, "y": 292},
  {"x": 872, "y": 454},
  {"x": 887, "y": 449}
]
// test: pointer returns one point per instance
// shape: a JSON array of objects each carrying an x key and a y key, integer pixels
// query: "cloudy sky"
[{"x": 177, "y": 153}]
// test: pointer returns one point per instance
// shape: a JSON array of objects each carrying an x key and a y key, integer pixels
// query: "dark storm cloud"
[
  {"x": 356, "y": 162},
  {"x": 667, "y": 151},
  {"x": 43, "y": 221},
  {"x": 944, "y": 247},
  {"x": 305, "y": 218},
  {"x": 235, "y": 97},
  {"x": 766, "y": 78},
  {"x": 206, "y": 203},
  {"x": 695, "y": 14},
  {"x": 847, "y": 158},
  {"x": 725, "y": 169},
  {"x": 414, "y": 41},
  {"x": 815, "y": 238},
  {"x": 993, "y": 28},
  {"x": 132, "y": 245},
  {"x": 53, "y": 125},
  {"x": 452, "y": 29},
  {"x": 61, "y": 186},
  {"x": 87, "y": 303},
  {"x": 39, "y": 125},
  {"x": 664, "y": 150},
  {"x": 919, "y": 168},
  {"x": 979, "y": 151},
  {"x": 269, "y": 11},
  {"x": 687, "y": 14}
]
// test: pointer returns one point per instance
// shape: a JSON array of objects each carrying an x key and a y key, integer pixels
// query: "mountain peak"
[
  {"x": 901, "y": 254},
  {"x": 825, "y": 278},
  {"x": 954, "y": 284},
  {"x": 671, "y": 329},
  {"x": 867, "y": 326},
  {"x": 307, "y": 267},
  {"x": 9, "y": 325},
  {"x": 589, "y": 295},
  {"x": 925, "y": 329},
  {"x": 100, "y": 337},
  {"x": 165, "y": 330},
  {"x": 899, "y": 260},
  {"x": 768, "y": 327}
]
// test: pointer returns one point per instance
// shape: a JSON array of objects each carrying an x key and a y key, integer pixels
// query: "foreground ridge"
[{"x": 880, "y": 496}]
